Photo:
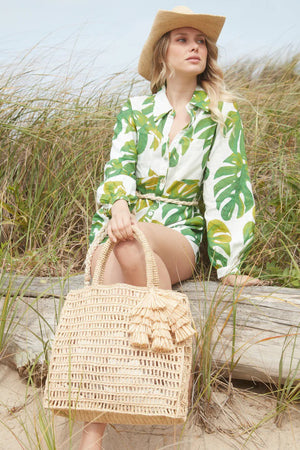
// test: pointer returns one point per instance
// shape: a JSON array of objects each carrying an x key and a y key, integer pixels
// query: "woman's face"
[{"x": 187, "y": 51}]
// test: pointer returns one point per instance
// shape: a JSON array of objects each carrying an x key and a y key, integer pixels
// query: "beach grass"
[
  {"x": 270, "y": 108},
  {"x": 55, "y": 141}
]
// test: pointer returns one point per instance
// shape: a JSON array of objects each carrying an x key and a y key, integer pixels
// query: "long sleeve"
[
  {"x": 119, "y": 172},
  {"x": 228, "y": 197}
]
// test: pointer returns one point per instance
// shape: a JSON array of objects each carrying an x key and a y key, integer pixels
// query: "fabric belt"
[{"x": 166, "y": 199}]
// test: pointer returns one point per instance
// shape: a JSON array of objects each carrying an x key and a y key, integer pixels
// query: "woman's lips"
[{"x": 193, "y": 59}]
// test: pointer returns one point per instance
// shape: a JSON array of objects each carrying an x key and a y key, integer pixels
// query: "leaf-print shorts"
[{"x": 185, "y": 219}]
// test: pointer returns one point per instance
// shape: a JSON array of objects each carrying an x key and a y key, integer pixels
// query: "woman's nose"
[{"x": 194, "y": 47}]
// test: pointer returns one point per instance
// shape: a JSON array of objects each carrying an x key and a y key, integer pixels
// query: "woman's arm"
[
  {"x": 120, "y": 171},
  {"x": 228, "y": 198},
  {"x": 120, "y": 225}
]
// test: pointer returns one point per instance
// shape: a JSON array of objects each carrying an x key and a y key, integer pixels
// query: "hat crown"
[
  {"x": 165, "y": 21},
  {"x": 182, "y": 10}
]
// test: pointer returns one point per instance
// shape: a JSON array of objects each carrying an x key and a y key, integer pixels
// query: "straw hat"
[{"x": 179, "y": 17}]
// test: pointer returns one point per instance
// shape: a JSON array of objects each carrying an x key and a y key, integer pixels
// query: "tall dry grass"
[
  {"x": 55, "y": 140},
  {"x": 270, "y": 108}
]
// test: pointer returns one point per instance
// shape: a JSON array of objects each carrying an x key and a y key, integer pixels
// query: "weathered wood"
[
  {"x": 267, "y": 324},
  {"x": 267, "y": 328}
]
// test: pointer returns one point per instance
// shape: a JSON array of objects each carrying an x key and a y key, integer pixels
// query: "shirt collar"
[
  {"x": 162, "y": 105},
  {"x": 200, "y": 99}
]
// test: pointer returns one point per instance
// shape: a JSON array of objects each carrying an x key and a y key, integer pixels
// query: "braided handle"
[
  {"x": 88, "y": 259},
  {"x": 151, "y": 267}
]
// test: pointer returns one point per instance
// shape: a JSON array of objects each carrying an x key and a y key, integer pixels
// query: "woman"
[{"x": 167, "y": 147}]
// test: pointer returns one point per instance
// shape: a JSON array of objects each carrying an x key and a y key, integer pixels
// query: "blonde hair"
[{"x": 211, "y": 80}]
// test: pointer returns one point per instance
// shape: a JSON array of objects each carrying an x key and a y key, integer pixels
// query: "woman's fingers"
[
  {"x": 120, "y": 227},
  {"x": 110, "y": 233}
]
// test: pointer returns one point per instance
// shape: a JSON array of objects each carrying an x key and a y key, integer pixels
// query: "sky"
[{"x": 106, "y": 36}]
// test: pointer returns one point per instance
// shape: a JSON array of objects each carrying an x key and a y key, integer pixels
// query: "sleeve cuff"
[
  {"x": 130, "y": 199},
  {"x": 106, "y": 201},
  {"x": 223, "y": 271}
]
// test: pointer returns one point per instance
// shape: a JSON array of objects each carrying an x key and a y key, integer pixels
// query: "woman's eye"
[
  {"x": 181, "y": 40},
  {"x": 201, "y": 41}
]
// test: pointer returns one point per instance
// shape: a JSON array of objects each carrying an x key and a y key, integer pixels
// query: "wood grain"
[{"x": 267, "y": 324}]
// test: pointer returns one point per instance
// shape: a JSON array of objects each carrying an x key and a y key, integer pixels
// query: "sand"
[{"x": 229, "y": 424}]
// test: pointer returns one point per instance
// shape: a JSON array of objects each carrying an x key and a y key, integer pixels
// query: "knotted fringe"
[{"x": 156, "y": 319}]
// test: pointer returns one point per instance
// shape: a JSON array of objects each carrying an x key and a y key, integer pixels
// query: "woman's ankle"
[{"x": 92, "y": 435}]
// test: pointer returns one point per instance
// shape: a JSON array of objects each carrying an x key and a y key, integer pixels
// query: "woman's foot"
[{"x": 242, "y": 280}]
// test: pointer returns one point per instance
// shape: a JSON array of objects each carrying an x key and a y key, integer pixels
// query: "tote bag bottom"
[{"x": 118, "y": 418}]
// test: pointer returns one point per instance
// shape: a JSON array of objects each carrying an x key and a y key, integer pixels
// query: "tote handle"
[
  {"x": 151, "y": 267},
  {"x": 88, "y": 259}
]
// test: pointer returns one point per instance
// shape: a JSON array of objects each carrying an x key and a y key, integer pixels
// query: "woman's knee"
[{"x": 129, "y": 254}]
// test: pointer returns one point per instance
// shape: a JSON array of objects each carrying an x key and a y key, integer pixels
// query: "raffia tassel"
[
  {"x": 162, "y": 344},
  {"x": 138, "y": 320},
  {"x": 155, "y": 318},
  {"x": 180, "y": 323},
  {"x": 178, "y": 312},
  {"x": 139, "y": 340},
  {"x": 145, "y": 313},
  {"x": 140, "y": 328},
  {"x": 151, "y": 302},
  {"x": 157, "y": 301},
  {"x": 163, "y": 334},
  {"x": 151, "y": 309},
  {"x": 160, "y": 325},
  {"x": 161, "y": 316},
  {"x": 162, "y": 339},
  {"x": 183, "y": 333}
]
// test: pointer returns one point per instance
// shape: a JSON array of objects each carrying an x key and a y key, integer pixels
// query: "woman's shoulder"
[
  {"x": 226, "y": 106},
  {"x": 138, "y": 102}
]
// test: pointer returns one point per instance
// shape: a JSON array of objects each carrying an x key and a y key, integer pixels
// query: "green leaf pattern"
[
  {"x": 232, "y": 190},
  {"x": 219, "y": 238},
  {"x": 200, "y": 158}
]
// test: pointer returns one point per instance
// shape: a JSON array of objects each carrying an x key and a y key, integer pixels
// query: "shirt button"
[{"x": 150, "y": 214}]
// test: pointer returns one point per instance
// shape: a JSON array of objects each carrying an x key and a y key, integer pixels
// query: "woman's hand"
[
  {"x": 120, "y": 225},
  {"x": 242, "y": 280}
]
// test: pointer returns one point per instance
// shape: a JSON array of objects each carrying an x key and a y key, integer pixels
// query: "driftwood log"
[{"x": 252, "y": 332}]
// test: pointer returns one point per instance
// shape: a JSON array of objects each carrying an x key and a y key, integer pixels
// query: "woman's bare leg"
[
  {"x": 126, "y": 264},
  {"x": 92, "y": 434},
  {"x": 174, "y": 256},
  {"x": 172, "y": 248}
]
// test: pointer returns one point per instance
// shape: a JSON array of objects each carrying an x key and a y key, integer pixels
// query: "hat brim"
[{"x": 166, "y": 21}]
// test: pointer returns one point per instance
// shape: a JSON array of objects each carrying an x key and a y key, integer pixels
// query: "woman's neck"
[{"x": 180, "y": 92}]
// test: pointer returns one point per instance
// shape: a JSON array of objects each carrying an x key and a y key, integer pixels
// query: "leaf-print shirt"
[{"x": 201, "y": 163}]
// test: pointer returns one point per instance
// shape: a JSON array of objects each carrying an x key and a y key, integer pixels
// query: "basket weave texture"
[{"x": 112, "y": 359}]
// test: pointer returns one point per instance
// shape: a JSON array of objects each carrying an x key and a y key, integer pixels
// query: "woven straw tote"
[{"x": 121, "y": 353}]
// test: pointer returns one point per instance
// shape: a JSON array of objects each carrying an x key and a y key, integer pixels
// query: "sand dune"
[{"x": 21, "y": 416}]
